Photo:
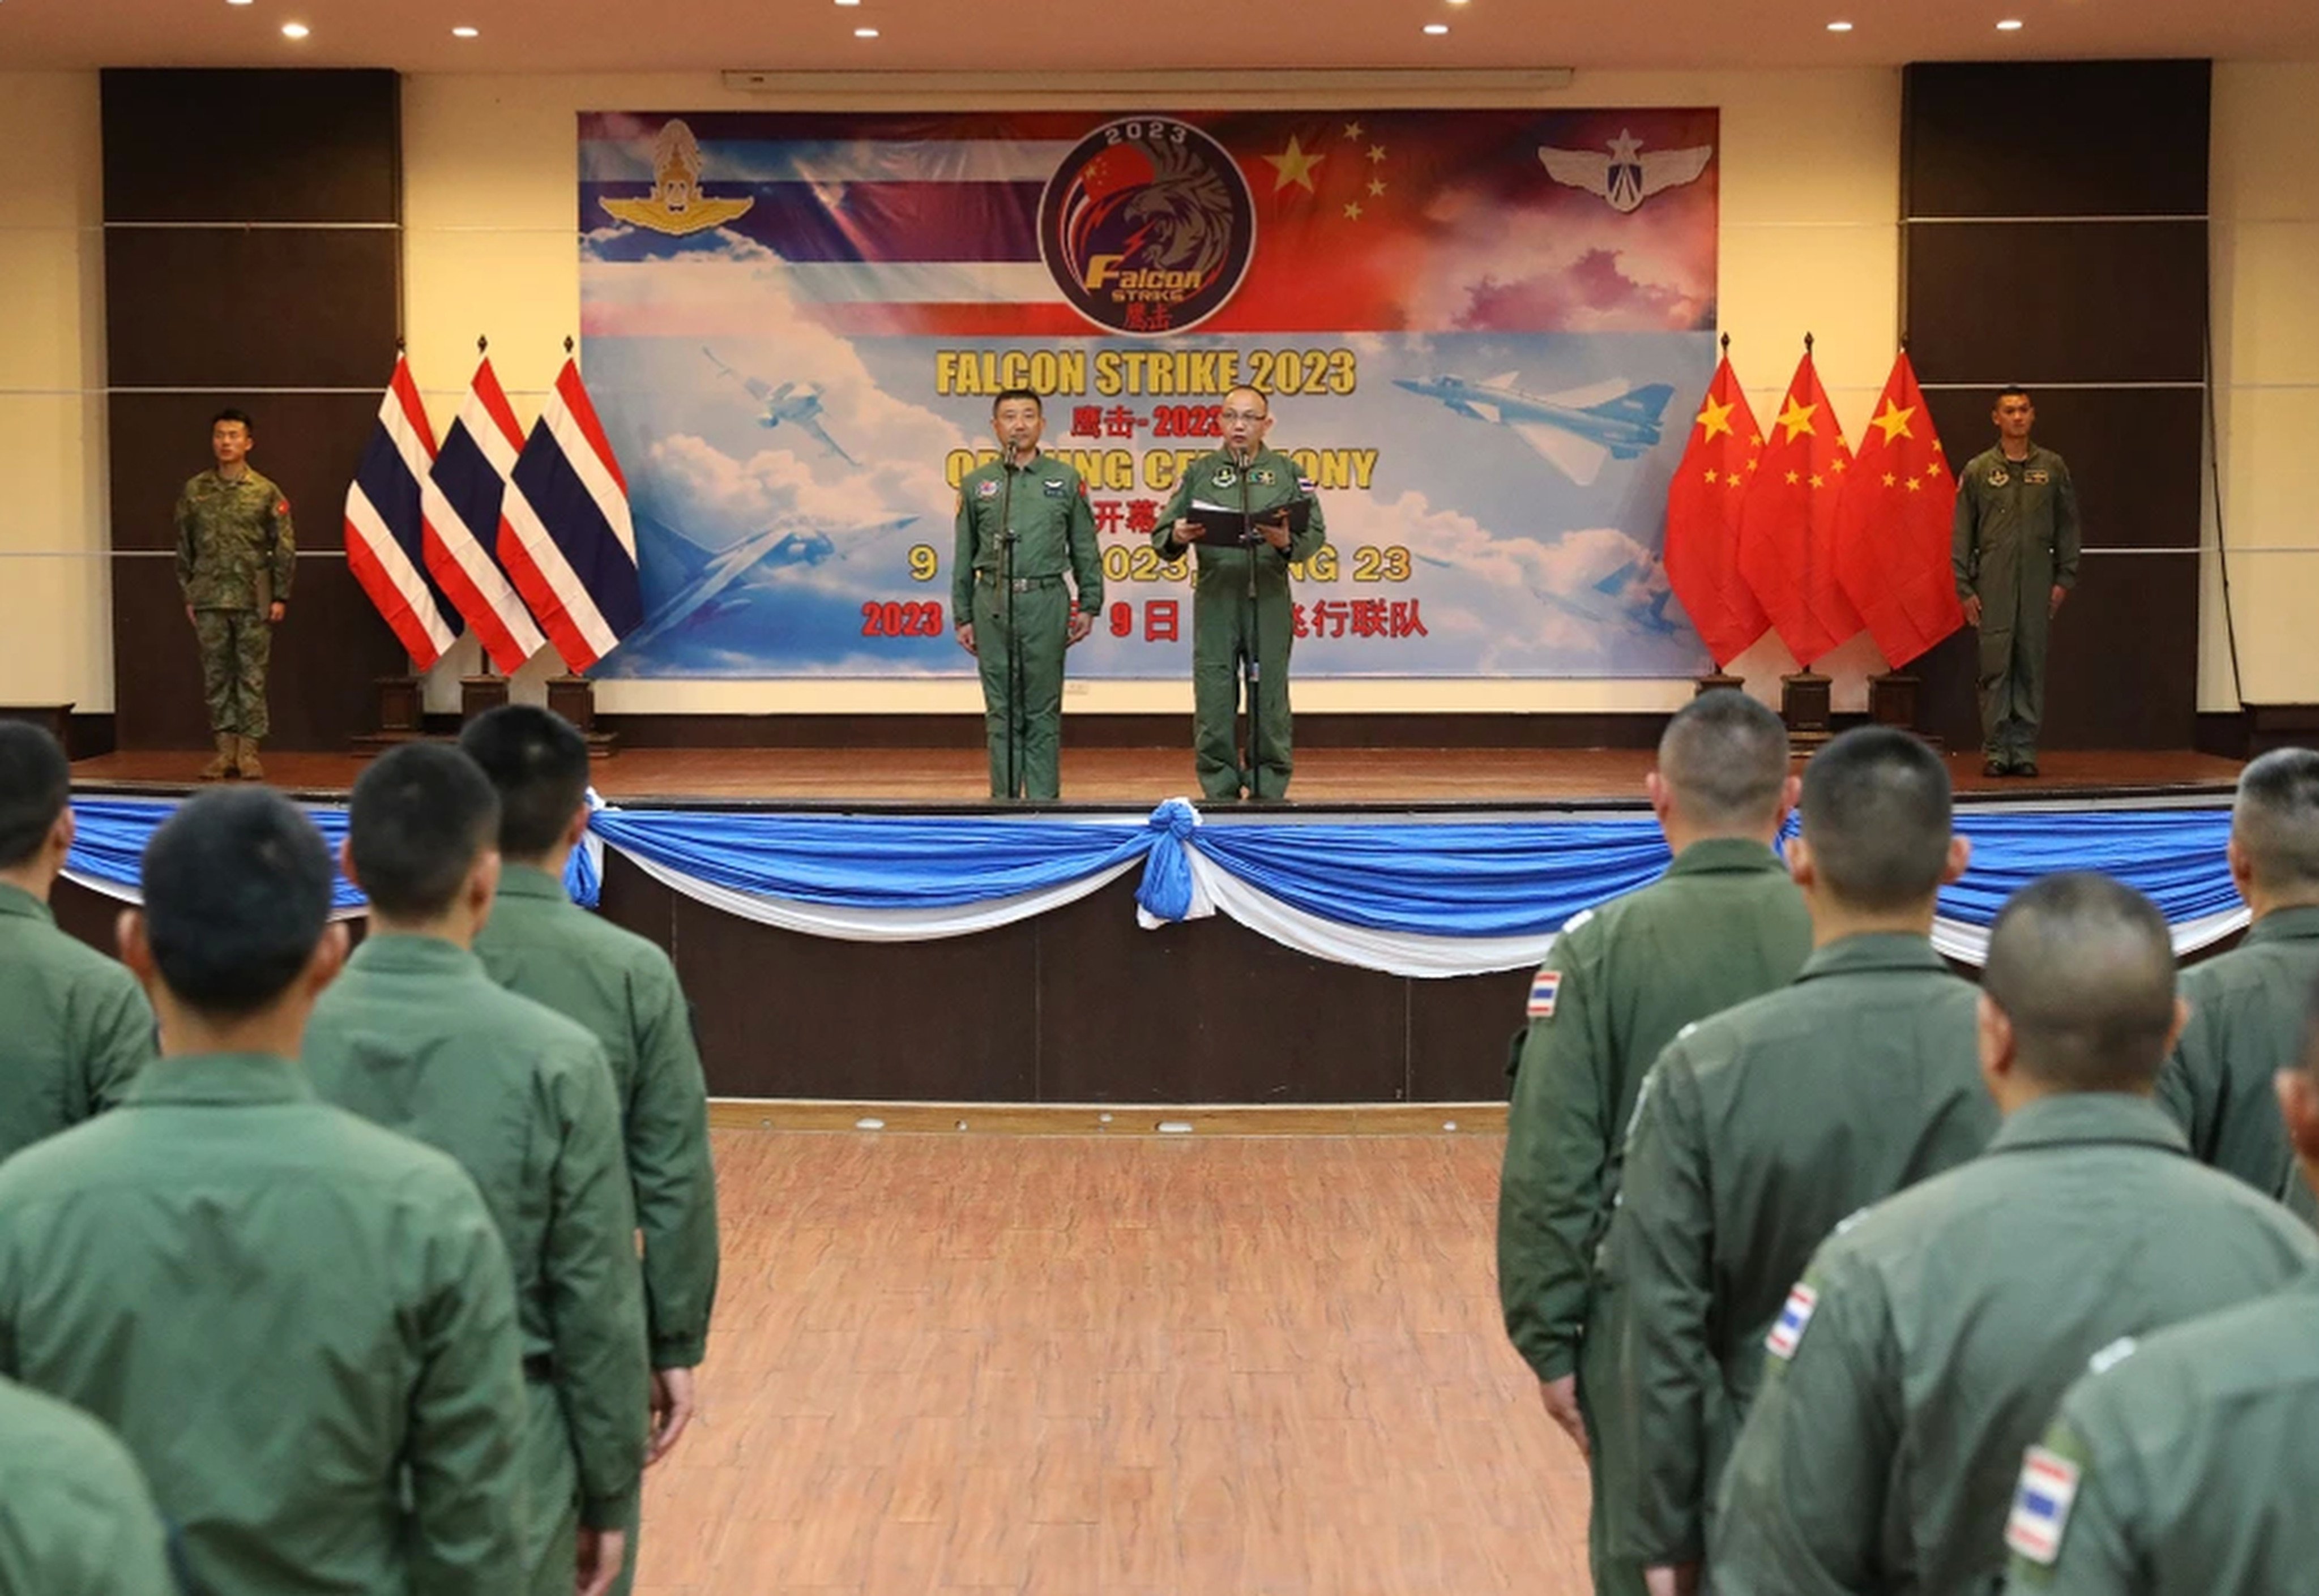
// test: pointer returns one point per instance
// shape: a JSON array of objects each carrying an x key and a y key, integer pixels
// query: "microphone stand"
[
  {"x": 1007, "y": 604},
  {"x": 1251, "y": 650}
]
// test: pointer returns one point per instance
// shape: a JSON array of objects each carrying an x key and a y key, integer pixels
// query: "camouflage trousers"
[{"x": 235, "y": 646}]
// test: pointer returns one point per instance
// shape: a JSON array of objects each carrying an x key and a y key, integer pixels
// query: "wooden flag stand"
[
  {"x": 1716, "y": 680},
  {"x": 574, "y": 698},
  {"x": 400, "y": 718},
  {"x": 1892, "y": 701},
  {"x": 1805, "y": 706}
]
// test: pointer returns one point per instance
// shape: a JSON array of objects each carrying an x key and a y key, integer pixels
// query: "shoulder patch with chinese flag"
[
  {"x": 280, "y": 507},
  {"x": 1788, "y": 1329},
  {"x": 1543, "y": 987},
  {"x": 2041, "y": 1505}
]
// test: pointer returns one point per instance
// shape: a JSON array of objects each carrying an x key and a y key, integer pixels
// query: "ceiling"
[{"x": 538, "y": 36}]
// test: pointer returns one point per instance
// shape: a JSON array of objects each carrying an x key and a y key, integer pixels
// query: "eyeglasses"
[{"x": 1244, "y": 416}]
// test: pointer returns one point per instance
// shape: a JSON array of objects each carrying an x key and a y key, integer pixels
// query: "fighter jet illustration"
[
  {"x": 1637, "y": 592},
  {"x": 1577, "y": 430},
  {"x": 799, "y": 407},
  {"x": 704, "y": 580}
]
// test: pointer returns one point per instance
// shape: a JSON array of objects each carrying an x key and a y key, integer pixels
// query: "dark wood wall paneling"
[
  {"x": 2055, "y": 234},
  {"x": 253, "y": 258}
]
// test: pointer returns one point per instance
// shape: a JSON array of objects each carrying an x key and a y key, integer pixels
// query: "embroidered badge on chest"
[
  {"x": 1263, "y": 478},
  {"x": 1226, "y": 477},
  {"x": 986, "y": 489},
  {"x": 1058, "y": 489},
  {"x": 2036, "y": 479},
  {"x": 1999, "y": 478}
]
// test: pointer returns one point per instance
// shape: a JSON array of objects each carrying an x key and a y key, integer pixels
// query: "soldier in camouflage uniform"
[{"x": 236, "y": 553}]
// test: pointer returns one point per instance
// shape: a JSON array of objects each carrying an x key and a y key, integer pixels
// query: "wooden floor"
[
  {"x": 1391, "y": 777},
  {"x": 982, "y": 1363}
]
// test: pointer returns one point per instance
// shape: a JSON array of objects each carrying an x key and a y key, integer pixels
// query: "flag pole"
[
  {"x": 1721, "y": 676},
  {"x": 1806, "y": 696}
]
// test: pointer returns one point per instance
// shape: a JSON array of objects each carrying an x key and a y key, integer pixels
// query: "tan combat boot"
[
  {"x": 223, "y": 766},
  {"x": 251, "y": 770}
]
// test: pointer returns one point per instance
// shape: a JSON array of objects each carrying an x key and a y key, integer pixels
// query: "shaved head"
[
  {"x": 2275, "y": 822},
  {"x": 1724, "y": 758},
  {"x": 2083, "y": 969},
  {"x": 1876, "y": 813}
]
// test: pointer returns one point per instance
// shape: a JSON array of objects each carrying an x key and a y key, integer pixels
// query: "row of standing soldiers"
[
  {"x": 347, "y": 1257},
  {"x": 1848, "y": 1276}
]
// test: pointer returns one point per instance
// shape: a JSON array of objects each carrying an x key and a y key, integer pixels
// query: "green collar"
[
  {"x": 22, "y": 905},
  {"x": 220, "y": 1079},
  {"x": 1712, "y": 855},
  {"x": 1873, "y": 951},
  {"x": 403, "y": 955},
  {"x": 527, "y": 880},
  {"x": 2078, "y": 1118},
  {"x": 2297, "y": 924}
]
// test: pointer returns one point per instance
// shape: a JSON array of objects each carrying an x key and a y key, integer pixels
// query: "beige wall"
[
  {"x": 1809, "y": 242},
  {"x": 55, "y": 599},
  {"x": 2265, "y": 203}
]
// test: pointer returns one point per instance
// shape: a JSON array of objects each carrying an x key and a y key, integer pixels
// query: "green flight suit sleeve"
[
  {"x": 284, "y": 545},
  {"x": 1805, "y": 1496},
  {"x": 1304, "y": 544},
  {"x": 961, "y": 561},
  {"x": 120, "y": 1040},
  {"x": 1163, "y": 535},
  {"x": 1086, "y": 553},
  {"x": 185, "y": 549},
  {"x": 2185, "y": 1090},
  {"x": 2067, "y": 536},
  {"x": 594, "y": 1301},
  {"x": 1965, "y": 537},
  {"x": 2098, "y": 1555},
  {"x": 1663, "y": 1240},
  {"x": 671, "y": 1173},
  {"x": 467, "y": 1411},
  {"x": 1550, "y": 1197}
]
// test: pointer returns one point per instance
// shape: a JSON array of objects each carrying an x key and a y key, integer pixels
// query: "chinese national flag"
[
  {"x": 1787, "y": 528},
  {"x": 1892, "y": 529},
  {"x": 1702, "y": 524}
]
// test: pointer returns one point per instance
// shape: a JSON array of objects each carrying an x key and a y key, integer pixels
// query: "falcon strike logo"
[{"x": 1147, "y": 226}]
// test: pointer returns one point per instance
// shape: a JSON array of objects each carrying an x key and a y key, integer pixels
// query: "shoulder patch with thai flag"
[
  {"x": 2041, "y": 1505},
  {"x": 1788, "y": 1329},
  {"x": 1543, "y": 987}
]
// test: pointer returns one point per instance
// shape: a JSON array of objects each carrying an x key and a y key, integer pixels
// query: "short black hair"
[
  {"x": 231, "y": 414},
  {"x": 2275, "y": 820},
  {"x": 538, "y": 761},
  {"x": 1876, "y": 810},
  {"x": 237, "y": 889},
  {"x": 1007, "y": 394},
  {"x": 1726, "y": 757},
  {"x": 1262, "y": 398},
  {"x": 418, "y": 819},
  {"x": 2014, "y": 390},
  {"x": 2083, "y": 967},
  {"x": 35, "y": 786}
]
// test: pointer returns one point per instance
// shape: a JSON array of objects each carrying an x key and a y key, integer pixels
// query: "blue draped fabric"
[{"x": 1465, "y": 880}]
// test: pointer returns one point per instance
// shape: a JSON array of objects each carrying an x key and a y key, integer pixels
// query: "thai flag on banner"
[
  {"x": 463, "y": 503},
  {"x": 386, "y": 526},
  {"x": 565, "y": 535}
]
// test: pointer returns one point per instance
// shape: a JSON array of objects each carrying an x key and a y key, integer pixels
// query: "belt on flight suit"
[{"x": 1023, "y": 585}]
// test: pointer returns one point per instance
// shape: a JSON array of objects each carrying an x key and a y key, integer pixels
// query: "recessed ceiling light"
[
  {"x": 464, "y": 32},
  {"x": 237, "y": 1},
  {"x": 1839, "y": 27},
  {"x": 1436, "y": 28},
  {"x": 849, "y": 2},
  {"x": 1456, "y": 1},
  {"x": 865, "y": 32},
  {"x": 2011, "y": 24},
  {"x": 295, "y": 30}
]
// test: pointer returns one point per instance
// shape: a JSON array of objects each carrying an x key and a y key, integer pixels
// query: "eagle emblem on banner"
[
  {"x": 676, "y": 205},
  {"x": 1628, "y": 173}
]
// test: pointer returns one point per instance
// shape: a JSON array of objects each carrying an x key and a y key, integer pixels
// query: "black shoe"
[
  {"x": 1995, "y": 767},
  {"x": 2027, "y": 767}
]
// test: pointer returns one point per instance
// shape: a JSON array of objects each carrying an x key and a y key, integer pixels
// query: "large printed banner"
[{"x": 1480, "y": 333}]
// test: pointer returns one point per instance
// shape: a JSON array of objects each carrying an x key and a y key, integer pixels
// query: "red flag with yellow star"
[
  {"x": 1892, "y": 526},
  {"x": 1703, "y": 525},
  {"x": 1787, "y": 528}
]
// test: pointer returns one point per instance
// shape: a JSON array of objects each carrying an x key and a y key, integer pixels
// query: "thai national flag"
[
  {"x": 462, "y": 501},
  {"x": 386, "y": 526},
  {"x": 2041, "y": 1505},
  {"x": 565, "y": 535}
]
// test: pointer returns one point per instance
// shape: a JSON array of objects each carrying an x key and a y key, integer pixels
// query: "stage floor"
[{"x": 1336, "y": 779}]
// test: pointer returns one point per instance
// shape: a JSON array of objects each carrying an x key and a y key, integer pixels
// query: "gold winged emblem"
[{"x": 676, "y": 205}]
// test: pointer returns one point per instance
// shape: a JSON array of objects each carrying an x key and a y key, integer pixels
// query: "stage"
[{"x": 1487, "y": 780}]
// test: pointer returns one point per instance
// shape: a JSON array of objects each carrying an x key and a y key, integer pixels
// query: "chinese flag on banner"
[
  {"x": 1702, "y": 524},
  {"x": 1892, "y": 529},
  {"x": 1787, "y": 528}
]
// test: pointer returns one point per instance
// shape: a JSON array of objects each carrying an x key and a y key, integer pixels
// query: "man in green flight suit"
[
  {"x": 1241, "y": 614},
  {"x": 236, "y": 557},
  {"x": 1762, "y": 1127},
  {"x": 2183, "y": 1465},
  {"x": 78, "y": 1029},
  {"x": 2246, "y": 1006},
  {"x": 302, "y": 1326},
  {"x": 1015, "y": 615},
  {"x": 416, "y": 1037},
  {"x": 2014, "y": 552},
  {"x": 624, "y": 990},
  {"x": 1724, "y": 924},
  {"x": 1929, "y": 1340},
  {"x": 75, "y": 1517}
]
